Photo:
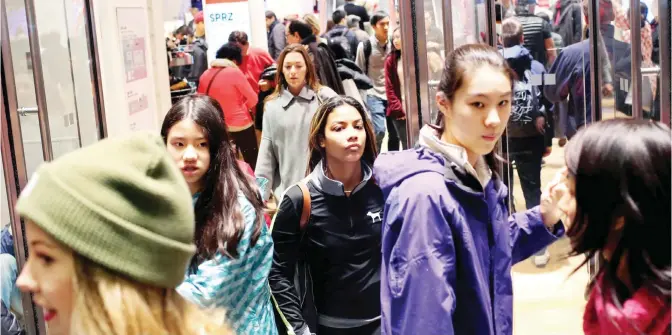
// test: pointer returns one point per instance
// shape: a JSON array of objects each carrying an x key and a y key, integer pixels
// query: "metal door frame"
[
  {"x": 414, "y": 60},
  {"x": 13, "y": 156},
  {"x": 664, "y": 18}
]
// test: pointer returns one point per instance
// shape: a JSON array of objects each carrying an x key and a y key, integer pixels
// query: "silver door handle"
[
  {"x": 23, "y": 111},
  {"x": 650, "y": 70}
]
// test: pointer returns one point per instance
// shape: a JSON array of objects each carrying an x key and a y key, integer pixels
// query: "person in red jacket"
[
  {"x": 225, "y": 83},
  {"x": 394, "y": 75},
  {"x": 618, "y": 203},
  {"x": 254, "y": 60}
]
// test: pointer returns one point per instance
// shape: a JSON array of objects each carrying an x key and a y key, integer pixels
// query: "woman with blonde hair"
[
  {"x": 110, "y": 234},
  {"x": 314, "y": 24},
  {"x": 283, "y": 153}
]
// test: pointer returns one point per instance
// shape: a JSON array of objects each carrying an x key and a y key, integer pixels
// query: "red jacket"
[
  {"x": 395, "y": 106},
  {"x": 645, "y": 312},
  {"x": 254, "y": 64},
  {"x": 229, "y": 87}
]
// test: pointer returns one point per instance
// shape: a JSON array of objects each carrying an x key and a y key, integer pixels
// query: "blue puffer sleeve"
[
  {"x": 418, "y": 274},
  {"x": 529, "y": 234}
]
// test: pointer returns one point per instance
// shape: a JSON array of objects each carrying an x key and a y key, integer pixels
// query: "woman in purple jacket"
[{"x": 448, "y": 241}]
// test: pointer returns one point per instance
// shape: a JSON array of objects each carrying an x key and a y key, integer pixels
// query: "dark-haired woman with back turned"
[
  {"x": 235, "y": 249},
  {"x": 299, "y": 31},
  {"x": 618, "y": 177},
  {"x": 338, "y": 249},
  {"x": 448, "y": 240},
  {"x": 227, "y": 84}
]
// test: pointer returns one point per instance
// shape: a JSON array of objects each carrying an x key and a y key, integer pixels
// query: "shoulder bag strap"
[
  {"x": 207, "y": 90},
  {"x": 305, "y": 211}
]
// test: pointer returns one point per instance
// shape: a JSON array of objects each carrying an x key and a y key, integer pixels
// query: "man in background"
[
  {"x": 276, "y": 35},
  {"x": 352, "y": 9},
  {"x": 371, "y": 55},
  {"x": 200, "y": 50},
  {"x": 353, "y": 25},
  {"x": 537, "y": 33},
  {"x": 342, "y": 34}
]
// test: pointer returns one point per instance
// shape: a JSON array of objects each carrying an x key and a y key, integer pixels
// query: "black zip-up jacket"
[{"x": 340, "y": 248}]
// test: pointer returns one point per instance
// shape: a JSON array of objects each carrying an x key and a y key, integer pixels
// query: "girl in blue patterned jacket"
[{"x": 235, "y": 249}]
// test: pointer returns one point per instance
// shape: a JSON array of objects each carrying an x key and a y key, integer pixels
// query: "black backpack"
[
  {"x": 526, "y": 102},
  {"x": 340, "y": 45}
]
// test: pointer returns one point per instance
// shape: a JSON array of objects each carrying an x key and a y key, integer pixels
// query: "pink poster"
[{"x": 134, "y": 57}]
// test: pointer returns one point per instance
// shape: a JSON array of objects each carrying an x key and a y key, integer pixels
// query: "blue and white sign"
[{"x": 221, "y": 17}]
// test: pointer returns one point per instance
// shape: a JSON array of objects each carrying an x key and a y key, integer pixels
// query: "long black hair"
[
  {"x": 622, "y": 169},
  {"x": 319, "y": 123},
  {"x": 458, "y": 63},
  {"x": 219, "y": 222}
]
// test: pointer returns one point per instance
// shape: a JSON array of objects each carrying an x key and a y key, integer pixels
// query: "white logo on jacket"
[{"x": 375, "y": 217}]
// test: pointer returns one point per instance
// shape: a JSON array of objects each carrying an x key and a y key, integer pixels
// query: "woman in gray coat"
[{"x": 283, "y": 152}]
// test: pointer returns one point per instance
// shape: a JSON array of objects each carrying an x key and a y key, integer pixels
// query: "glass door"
[{"x": 51, "y": 105}]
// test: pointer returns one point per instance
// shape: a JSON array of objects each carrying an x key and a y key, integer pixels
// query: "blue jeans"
[
  {"x": 10, "y": 293},
  {"x": 377, "y": 107}
]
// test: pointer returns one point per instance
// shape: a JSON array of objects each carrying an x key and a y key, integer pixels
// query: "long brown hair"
[
  {"x": 319, "y": 123},
  {"x": 311, "y": 75},
  {"x": 458, "y": 63},
  {"x": 219, "y": 222}
]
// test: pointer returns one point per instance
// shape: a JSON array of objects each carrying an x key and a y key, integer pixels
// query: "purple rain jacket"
[{"x": 448, "y": 246}]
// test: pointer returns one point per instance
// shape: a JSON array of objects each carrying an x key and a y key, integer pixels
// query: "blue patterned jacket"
[{"x": 240, "y": 285}]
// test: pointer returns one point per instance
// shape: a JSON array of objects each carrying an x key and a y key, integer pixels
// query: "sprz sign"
[
  {"x": 221, "y": 18},
  {"x": 216, "y": 17}
]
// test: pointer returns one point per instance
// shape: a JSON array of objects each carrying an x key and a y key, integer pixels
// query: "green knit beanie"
[{"x": 121, "y": 203}]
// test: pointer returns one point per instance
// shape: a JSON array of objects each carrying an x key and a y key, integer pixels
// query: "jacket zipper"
[
  {"x": 491, "y": 243},
  {"x": 352, "y": 224}
]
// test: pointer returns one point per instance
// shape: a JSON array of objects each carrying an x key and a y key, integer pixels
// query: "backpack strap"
[
  {"x": 305, "y": 210},
  {"x": 368, "y": 48}
]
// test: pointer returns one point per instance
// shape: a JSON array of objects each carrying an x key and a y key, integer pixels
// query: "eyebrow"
[
  {"x": 347, "y": 121},
  {"x": 485, "y": 95},
  {"x": 44, "y": 243},
  {"x": 184, "y": 138}
]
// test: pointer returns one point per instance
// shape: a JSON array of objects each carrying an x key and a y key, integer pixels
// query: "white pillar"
[
  {"x": 258, "y": 37},
  {"x": 141, "y": 102}
]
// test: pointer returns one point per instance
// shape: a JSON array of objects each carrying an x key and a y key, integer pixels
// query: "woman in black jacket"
[{"x": 336, "y": 243}]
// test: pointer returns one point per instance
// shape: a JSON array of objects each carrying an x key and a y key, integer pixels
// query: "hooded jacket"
[
  {"x": 520, "y": 60},
  {"x": 448, "y": 243},
  {"x": 339, "y": 247}
]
